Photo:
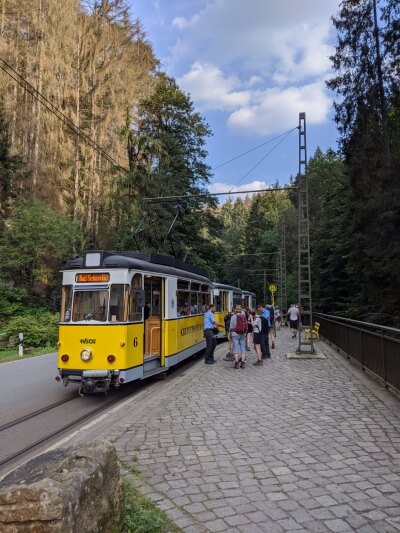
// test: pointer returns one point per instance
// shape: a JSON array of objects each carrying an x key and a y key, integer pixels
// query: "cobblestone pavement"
[{"x": 311, "y": 445}]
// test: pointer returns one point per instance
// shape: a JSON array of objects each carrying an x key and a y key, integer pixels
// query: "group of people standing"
[{"x": 242, "y": 327}]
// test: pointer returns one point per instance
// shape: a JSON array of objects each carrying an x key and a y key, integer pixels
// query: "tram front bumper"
[{"x": 91, "y": 380}]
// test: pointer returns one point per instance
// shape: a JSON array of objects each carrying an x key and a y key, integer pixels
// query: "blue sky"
[{"x": 250, "y": 67}]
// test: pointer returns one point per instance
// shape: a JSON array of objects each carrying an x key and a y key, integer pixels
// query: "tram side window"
[
  {"x": 66, "y": 303},
  {"x": 135, "y": 312},
  {"x": 117, "y": 303},
  {"x": 224, "y": 303},
  {"x": 183, "y": 298},
  {"x": 194, "y": 303},
  {"x": 183, "y": 304},
  {"x": 205, "y": 300},
  {"x": 237, "y": 299}
]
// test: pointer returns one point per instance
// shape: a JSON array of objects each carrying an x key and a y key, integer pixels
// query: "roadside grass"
[
  {"x": 141, "y": 515},
  {"x": 11, "y": 354}
]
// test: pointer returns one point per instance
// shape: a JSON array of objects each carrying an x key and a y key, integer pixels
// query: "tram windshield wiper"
[{"x": 89, "y": 316}]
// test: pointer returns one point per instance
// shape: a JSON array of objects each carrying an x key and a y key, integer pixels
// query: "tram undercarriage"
[{"x": 91, "y": 381}]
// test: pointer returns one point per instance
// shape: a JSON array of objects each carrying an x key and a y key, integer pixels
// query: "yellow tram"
[{"x": 130, "y": 315}]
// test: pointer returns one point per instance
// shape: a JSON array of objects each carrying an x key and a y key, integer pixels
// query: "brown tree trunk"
[
  {"x": 78, "y": 123},
  {"x": 39, "y": 77}
]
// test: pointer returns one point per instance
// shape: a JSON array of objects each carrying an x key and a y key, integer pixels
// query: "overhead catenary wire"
[
  {"x": 255, "y": 148},
  {"x": 285, "y": 135},
  {"x": 208, "y": 194},
  {"x": 12, "y": 73},
  {"x": 258, "y": 253}
]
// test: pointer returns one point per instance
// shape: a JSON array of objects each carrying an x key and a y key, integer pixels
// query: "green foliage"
[
  {"x": 328, "y": 204},
  {"x": 166, "y": 153},
  {"x": 12, "y": 300},
  {"x": 367, "y": 71},
  {"x": 250, "y": 241},
  {"x": 140, "y": 515},
  {"x": 33, "y": 246},
  {"x": 39, "y": 329}
]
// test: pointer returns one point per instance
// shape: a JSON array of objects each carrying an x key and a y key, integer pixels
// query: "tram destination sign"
[{"x": 95, "y": 277}]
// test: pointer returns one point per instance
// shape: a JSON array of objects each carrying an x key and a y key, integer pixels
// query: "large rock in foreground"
[{"x": 70, "y": 490}]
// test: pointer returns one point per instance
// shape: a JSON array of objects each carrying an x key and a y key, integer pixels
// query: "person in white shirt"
[{"x": 293, "y": 314}]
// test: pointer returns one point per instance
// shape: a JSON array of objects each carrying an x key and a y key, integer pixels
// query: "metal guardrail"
[{"x": 375, "y": 348}]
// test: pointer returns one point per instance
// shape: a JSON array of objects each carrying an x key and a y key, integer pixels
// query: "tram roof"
[
  {"x": 226, "y": 287},
  {"x": 148, "y": 262},
  {"x": 249, "y": 292}
]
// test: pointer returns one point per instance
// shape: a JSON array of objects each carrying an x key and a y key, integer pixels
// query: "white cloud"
[
  {"x": 254, "y": 80},
  {"x": 261, "y": 61},
  {"x": 182, "y": 22},
  {"x": 274, "y": 110},
  {"x": 208, "y": 87},
  {"x": 255, "y": 110},
  {"x": 286, "y": 38}
]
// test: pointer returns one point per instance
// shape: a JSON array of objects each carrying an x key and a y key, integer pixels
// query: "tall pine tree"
[{"x": 365, "y": 82}]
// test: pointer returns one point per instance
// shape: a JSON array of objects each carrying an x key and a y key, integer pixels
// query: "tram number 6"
[{"x": 135, "y": 342}]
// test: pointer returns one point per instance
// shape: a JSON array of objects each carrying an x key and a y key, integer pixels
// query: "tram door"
[{"x": 153, "y": 315}]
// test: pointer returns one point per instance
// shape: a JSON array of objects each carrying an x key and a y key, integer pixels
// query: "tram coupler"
[{"x": 94, "y": 381}]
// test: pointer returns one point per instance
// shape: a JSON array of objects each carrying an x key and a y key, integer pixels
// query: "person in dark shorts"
[
  {"x": 250, "y": 322},
  {"x": 257, "y": 341},
  {"x": 293, "y": 314},
  {"x": 265, "y": 324}
]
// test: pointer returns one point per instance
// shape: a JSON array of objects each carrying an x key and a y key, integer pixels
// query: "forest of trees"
[{"x": 111, "y": 128}]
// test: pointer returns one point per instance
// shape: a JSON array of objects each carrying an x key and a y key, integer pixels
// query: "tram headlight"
[{"x": 86, "y": 354}]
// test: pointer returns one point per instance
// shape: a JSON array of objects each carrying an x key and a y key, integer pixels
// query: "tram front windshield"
[{"x": 90, "y": 305}]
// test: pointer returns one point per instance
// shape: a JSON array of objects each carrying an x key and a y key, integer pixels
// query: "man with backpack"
[
  {"x": 265, "y": 325},
  {"x": 238, "y": 330}
]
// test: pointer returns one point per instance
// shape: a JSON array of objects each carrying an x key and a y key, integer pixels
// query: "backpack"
[
  {"x": 264, "y": 325},
  {"x": 227, "y": 321},
  {"x": 241, "y": 324}
]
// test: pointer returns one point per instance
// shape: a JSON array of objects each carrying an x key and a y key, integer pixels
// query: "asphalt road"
[{"x": 29, "y": 384}]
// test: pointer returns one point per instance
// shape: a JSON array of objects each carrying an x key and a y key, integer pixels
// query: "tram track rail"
[
  {"x": 38, "y": 412},
  {"x": 142, "y": 388},
  {"x": 34, "y": 446},
  {"x": 130, "y": 391},
  {"x": 48, "y": 437}
]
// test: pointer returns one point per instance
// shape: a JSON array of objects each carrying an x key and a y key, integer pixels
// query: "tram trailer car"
[
  {"x": 127, "y": 316},
  {"x": 248, "y": 300}
]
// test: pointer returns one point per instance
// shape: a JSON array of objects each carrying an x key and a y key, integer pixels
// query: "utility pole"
[
  {"x": 304, "y": 274},
  {"x": 265, "y": 286},
  {"x": 282, "y": 270}
]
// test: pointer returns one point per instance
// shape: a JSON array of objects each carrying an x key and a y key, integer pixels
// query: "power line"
[
  {"x": 59, "y": 114},
  {"x": 265, "y": 156},
  {"x": 255, "y": 148},
  {"x": 261, "y": 253},
  {"x": 208, "y": 194}
]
